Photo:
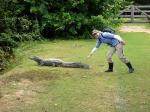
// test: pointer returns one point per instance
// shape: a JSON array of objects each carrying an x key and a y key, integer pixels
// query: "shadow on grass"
[{"x": 31, "y": 75}]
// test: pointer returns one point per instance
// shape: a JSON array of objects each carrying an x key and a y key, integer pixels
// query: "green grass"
[{"x": 31, "y": 88}]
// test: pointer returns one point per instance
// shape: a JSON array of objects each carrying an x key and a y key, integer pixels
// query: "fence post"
[{"x": 132, "y": 13}]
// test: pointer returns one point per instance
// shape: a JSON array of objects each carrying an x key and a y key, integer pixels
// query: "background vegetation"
[
  {"x": 26, "y": 20},
  {"x": 30, "y": 88}
]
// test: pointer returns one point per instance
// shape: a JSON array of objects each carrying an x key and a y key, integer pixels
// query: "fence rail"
[{"x": 133, "y": 12}]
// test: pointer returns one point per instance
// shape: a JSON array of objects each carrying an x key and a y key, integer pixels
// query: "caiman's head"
[{"x": 36, "y": 58}]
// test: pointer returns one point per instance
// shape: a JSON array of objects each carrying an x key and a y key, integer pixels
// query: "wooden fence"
[{"x": 133, "y": 12}]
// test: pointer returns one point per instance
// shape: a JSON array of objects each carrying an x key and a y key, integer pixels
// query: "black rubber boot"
[
  {"x": 131, "y": 69},
  {"x": 110, "y": 68}
]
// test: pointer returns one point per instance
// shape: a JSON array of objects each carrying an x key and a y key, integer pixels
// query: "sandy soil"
[{"x": 134, "y": 29}]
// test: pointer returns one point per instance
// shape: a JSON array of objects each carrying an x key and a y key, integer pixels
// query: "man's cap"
[{"x": 95, "y": 31}]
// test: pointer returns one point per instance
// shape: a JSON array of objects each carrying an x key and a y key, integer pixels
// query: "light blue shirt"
[{"x": 107, "y": 38}]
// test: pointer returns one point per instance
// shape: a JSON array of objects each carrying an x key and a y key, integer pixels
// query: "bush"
[
  {"x": 23, "y": 24},
  {"x": 73, "y": 18},
  {"x": 25, "y": 20},
  {"x": 6, "y": 40},
  {"x": 99, "y": 22},
  {"x": 5, "y": 56}
]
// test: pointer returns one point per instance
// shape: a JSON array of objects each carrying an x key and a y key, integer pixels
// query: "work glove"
[
  {"x": 123, "y": 42},
  {"x": 89, "y": 55}
]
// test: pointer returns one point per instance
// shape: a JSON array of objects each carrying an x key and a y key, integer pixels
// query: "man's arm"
[
  {"x": 95, "y": 48},
  {"x": 92, "y": 51}
]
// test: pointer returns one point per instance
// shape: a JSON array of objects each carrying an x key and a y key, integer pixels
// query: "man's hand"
[
  {"x": 89, "y": 55},
  {"x": 92, "y": 52},
  {"x": 123, "y": 42}
]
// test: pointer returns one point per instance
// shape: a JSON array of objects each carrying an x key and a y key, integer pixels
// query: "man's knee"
[{"x": 109, "y": 60}]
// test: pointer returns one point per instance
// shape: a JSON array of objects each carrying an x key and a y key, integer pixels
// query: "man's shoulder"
[{"x": 107, "y": 35}]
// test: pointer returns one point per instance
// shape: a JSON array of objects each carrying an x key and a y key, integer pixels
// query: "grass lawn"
[{"x": 31, "y": 88}]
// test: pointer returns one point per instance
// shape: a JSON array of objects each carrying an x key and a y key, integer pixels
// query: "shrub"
[
  {"x": 6, "y": 40},
  {"x": 5, "y": 56}
]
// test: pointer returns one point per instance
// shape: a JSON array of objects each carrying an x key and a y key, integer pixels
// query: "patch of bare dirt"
[
  {"x": 18, "y": 93},
  {"x": 134, "y": 29}
]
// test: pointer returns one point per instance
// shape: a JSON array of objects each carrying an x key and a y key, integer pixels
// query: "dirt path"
[{"x": 134, "y": 29}]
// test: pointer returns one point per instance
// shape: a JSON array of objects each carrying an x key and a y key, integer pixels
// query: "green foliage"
[
  {"x": 6, "y": 40},
  {"x": 99, "y": 22},
  {"x": 23, "y": 24},
  {"x": 3, "y": 60},
  {"x": 14, "y": 28},
  {"x": 5, "y": 56},
  {"x": 61, "y": 18},
  {"x": 112, "y": 7},
  {"x": 25, "y": 20}
]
